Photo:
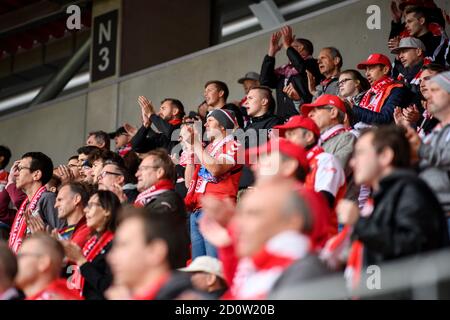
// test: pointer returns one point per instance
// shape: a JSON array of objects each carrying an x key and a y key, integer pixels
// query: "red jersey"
[
  {"x": 225, "y": 186},
  {"x": 56, "y": 290}
]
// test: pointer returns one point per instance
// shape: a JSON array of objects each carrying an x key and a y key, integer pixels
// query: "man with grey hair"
[{"x": 433, "y": 152}]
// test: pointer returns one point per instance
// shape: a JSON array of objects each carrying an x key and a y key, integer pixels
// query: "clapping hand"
[
  {"x": 288, "y": 38},
  {"x": 274, "y": 44},
  {"x": 147, "y": 110}
]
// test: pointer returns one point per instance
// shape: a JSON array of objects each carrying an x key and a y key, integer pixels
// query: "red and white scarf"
[
  {"x": 334, "y": 251},
  {"x": 416, "y": 79},
  {"x": 331, "y": 133},
  {"x": 146, "y": 196},
  {"x": 124, "y": 150},
  {"x": 198, "y": 184},
  {"x": 374, "y": 98},
  {"x": 92, "y": 248},
  {"x": 19, "y": 226},
  {"x": 256, "y": 275}
]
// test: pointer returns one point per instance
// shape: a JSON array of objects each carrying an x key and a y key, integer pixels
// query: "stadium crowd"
[{"x": 317, "y": 171}]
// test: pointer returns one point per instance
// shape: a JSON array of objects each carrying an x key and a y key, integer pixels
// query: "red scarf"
[
  {"x": 154, "y": 289},
  {"x": 256, "y": 275},
  {"x": 334, "y": 251},
  {"x": 124, "y": 150},
  {"x": 92, "y": 248},
  {"x": 146, "y": 196},
  {"x": 57, "y": 290},
  {"x": 19, "y": 226},
  {"x": 175, "y": 122},
  {"x": 381, "y": 90},
  {"x": 416, "y": 79},
  {"x": 331, "y": 133}
]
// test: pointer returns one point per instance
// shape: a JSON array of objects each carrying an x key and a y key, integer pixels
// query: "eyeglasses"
[
  {"x": 343, "y": 81},
  {"x": 20, "y": 168},
  {"x": 104, "y": 173}
]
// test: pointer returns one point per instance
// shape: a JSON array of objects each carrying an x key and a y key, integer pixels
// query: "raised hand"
[
  {"x": 147, "y": 110},
  {"x": 131, "y": 130},
  {"x": 65, "y": 174},
  {"x": 288, "y": 38},
  {"x": 35, "y": 224},
  {"x": 220, "y": 210},
  {"x": 395, "y": 12},
  {"x": 394, "y": 43},
  {"x": 411, "y": 114},
  {"x": 213, "y": 232},
  {"x": 14, "y": 170},
  {"x": 274, "y": 44},
  {"x": 290, "y": 91},
  {"x": 398, "y": 116},
  {"x": 348, "y": 212},
  {"x": 73, "y": 252}
]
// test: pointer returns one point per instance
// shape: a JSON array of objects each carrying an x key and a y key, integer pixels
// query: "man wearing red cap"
[
  {"x": 378, "y": 104},
  {"x": 329, "y": 114},
  {"x": 326, "y": 174}
]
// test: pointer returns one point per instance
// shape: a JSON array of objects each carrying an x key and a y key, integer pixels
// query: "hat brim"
[
  {"x": 397, "y": 50},
  {"x": 241, "y": 80}
]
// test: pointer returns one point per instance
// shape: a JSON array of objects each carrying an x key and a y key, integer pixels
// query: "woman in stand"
[{"x": 92, "y": 275}]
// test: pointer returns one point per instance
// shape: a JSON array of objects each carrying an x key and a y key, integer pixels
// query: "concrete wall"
[{"x": 59, "y": 127}]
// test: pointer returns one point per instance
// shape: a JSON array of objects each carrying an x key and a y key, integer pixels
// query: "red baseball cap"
[
  {"x": 295, "y": 122},
  {"x": 285, "y": 147},
  {"x": 374, "y": 59},
  {"x": 324, "y": 100}
]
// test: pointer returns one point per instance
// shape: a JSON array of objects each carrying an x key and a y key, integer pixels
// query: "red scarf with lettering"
[
  {"x": 146, "y": 196},
  {"x": 56, "y": 290},
  {"x": 375, "y": 97},
  {"x": 92, "y": 248},
  {"x": 19, "y": 226}
]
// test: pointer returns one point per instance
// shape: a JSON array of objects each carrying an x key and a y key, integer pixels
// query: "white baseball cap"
[{"x": 205, "y": 264}]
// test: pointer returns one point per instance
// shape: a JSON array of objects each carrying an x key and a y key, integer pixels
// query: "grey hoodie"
[{"x": 434, "y": 156}]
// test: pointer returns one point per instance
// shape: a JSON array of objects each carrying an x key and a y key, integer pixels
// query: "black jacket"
[
  {"x": 147, "y": 139},
  {"x": 169, "y": 200},
  {"x": 302, "y": 65},
  {"x": 302, "y": 273},
  {"x": 176, "y": 285},
  {"x": 285, "y": 106},
  {"x": 265, "y": 122},
  {"x": 97, "y": 276},
  {"x": 407, "y": 219}
]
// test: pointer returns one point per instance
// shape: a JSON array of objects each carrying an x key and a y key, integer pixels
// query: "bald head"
[
  {"x": 46, "y": 246},
  {"x": 260, "y": 216}
]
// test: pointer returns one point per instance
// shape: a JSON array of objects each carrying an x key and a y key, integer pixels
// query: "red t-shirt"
[
  {"x": 225, "y": 186},
  {"x": 56, "y": 290}
]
